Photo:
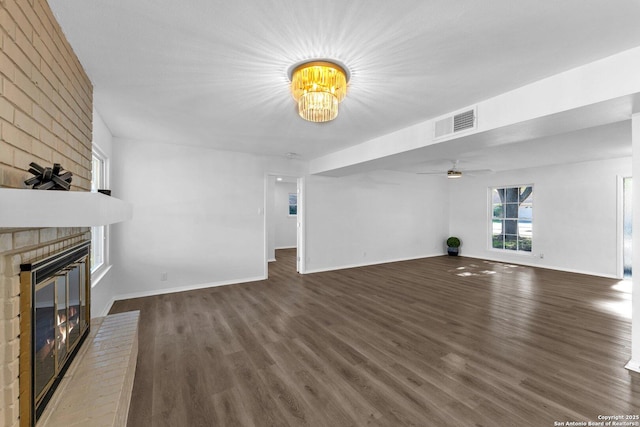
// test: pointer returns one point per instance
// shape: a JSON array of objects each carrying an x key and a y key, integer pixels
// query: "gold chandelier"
[{"x": 318, "y": 87}]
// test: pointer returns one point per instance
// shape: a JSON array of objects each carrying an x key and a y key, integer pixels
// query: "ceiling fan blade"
[{"x": 476, "y": 172}]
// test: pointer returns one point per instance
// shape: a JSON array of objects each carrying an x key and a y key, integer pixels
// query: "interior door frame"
[
  {"x": 300, "y": 227},
  {"x": 300, "y": 220},
  {"x": 620, "y": 224}
]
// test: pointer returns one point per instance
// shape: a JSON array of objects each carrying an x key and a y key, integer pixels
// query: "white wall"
[
  {"x": 198, "y": 216},
  {"x": 285, "y": 225},
  {"x": 575, "y": 211},
  {"x": 103, "y": 290},
  {"x": 373, "y": 218}
]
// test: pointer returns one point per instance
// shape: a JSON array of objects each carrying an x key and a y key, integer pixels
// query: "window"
[
  {"x": 98, "y": 233},
  {"x": 511, "y": 218},
  {"x": 293, "y": 204}
]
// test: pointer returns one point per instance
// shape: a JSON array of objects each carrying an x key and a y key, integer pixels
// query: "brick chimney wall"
[{"x": 46, "y": 105}]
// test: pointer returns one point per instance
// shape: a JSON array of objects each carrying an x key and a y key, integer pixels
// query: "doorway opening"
[{"x": 284, "y": 216}]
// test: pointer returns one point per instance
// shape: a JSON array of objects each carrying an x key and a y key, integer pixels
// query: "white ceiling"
[
  {"x": 603, "y": 142},
  {"x": 214, "y": 73}
]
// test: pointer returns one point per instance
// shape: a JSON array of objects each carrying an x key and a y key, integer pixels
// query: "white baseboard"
[
  {"x": 522, "y": 261},
  {"x": 633, "y": 365},
  {"x": 271, "y": 260},
  {"x": 107, "y": 308},
  {"x": 184, "y": 288},
  {"x": 366, "y": 264},
  {"x": 286, "y": 247}
]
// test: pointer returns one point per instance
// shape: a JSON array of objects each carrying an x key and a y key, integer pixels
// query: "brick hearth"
[{"x": 96, "y": 389}]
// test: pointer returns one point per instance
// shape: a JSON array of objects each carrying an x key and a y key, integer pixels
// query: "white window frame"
[
  {"x": 517, "y": 251},
  {"x": 100, "y": 234},
  {"x": 290, "y": 205}
]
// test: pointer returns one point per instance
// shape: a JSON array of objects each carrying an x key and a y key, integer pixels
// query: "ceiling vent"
[{"x": 462, "y": 121}]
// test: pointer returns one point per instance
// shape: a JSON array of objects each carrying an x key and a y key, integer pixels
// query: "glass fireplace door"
[
  {"x": 45, "y": 336},
  {"x": 74, "y": 302},
  {"x": 53, "y": 324},
  {"x": 61, "y": 318}
]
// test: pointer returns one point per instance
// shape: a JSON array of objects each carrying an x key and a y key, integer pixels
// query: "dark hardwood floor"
[{"x": 445, "y": 341}]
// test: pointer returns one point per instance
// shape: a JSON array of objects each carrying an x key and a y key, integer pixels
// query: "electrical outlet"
[
  {"x": 541, "y": 255},
  {"x": 163, "y": 276}
]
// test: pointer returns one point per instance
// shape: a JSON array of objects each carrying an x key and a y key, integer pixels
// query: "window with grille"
[
  {"x": 512, "y": 218},
  {"x": 98, "y": 233}
]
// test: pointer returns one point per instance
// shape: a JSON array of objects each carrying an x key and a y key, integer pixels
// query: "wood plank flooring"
[{"x": 445, "y": 341}]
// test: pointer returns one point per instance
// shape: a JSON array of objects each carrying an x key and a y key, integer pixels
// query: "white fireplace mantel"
[{"x": 24, "y": 208}]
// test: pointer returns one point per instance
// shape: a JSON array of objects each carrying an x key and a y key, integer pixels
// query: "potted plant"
[{"x": 453, "y": 246}]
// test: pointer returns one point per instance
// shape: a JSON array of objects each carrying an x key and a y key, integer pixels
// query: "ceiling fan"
[{"x": 456, "y": 172}]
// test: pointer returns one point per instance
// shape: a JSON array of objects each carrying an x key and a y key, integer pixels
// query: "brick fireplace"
[
  {"x": 46, "y": 104},
  {"x": 19, "y": 247}
]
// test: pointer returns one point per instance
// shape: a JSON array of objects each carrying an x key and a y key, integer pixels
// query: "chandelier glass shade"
[{"x": 318, "y": 87}]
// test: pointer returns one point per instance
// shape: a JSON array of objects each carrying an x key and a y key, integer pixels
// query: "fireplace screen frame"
[{"x": 57, "y": 271}]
